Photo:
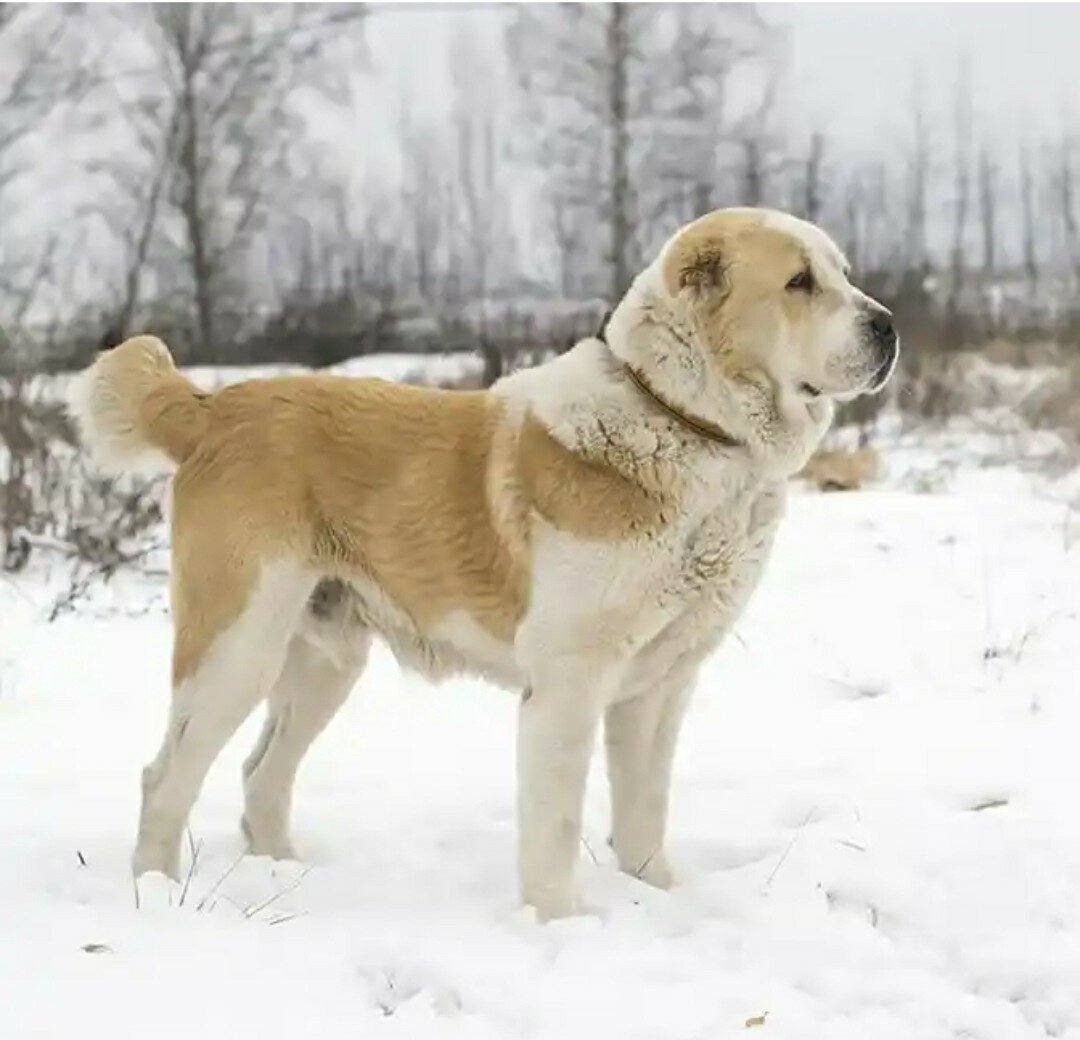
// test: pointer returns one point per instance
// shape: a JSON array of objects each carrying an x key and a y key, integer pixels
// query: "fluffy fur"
[{"x": 560, "y": 534}]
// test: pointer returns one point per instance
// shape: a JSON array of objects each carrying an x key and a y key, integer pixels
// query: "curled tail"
[{"x": 136, "y": 411}]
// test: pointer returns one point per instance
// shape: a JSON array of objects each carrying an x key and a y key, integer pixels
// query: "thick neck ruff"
[{"x": 695, "y": 423}]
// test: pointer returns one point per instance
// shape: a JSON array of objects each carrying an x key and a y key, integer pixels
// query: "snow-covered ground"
[{"x": 874, "y": 818}]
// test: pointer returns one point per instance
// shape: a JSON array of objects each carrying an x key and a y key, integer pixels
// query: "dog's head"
[{"x": 766, "y": 294}]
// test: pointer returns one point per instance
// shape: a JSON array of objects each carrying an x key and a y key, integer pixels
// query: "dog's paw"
[
  {"x": 155, "y": 891},
  {"x": 266, "y": 841},
  {"x": 550, "y": 905},
  {"x": 653, "y": 870}
]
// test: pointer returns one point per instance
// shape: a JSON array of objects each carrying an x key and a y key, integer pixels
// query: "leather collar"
[{"x": 696, "y": 423}]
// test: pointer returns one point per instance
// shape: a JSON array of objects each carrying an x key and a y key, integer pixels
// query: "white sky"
[{"x": 853, "y": 65}]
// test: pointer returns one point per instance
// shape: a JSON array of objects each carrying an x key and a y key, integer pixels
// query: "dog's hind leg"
[
  {"x": 231, "y": 641},
  {"x": 313, "y": 685}
]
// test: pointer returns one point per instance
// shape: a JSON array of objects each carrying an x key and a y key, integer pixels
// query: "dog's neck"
[
  {"x": 774, "y": 429},
  {"x": 696, "y": 424}
]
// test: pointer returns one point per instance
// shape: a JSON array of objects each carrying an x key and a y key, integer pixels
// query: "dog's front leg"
[
  {"x": 556, "y": 731},
  {"x": 641, "y": 734}
]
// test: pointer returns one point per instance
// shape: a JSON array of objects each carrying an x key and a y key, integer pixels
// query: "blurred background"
[{"x": 445, "y": 192}]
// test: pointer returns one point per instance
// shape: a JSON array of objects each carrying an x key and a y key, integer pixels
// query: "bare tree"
[
  {"x": 917, "y": 174},
  {"x": 757, "y": 147},
  {"x": 1066, "y": 203},
  {"x": 584, "y": 74},
  {"x": 38, "y": 73},
  {"x": 812, "y": 201},
  {"x": 138, "y": 180},
  {"x": 962, "y": 139},
  {"x": 870, "y": 239},
  {"x": 1027, "y": 219},
  {"x": 618, "y": 47},
  {"x": 569, "y": 235},
  {"x": 483, "y": 189},
  {"x": 218, "y": 127},
  {"x": 852, "y": 219},
  {"x": 642, "y": 87},
  {"x": 697, "y": 114},
  {"x": 43, "y": 79},
  {"x": 988, "y": 209},
  {"x": 424, "y": 193}
]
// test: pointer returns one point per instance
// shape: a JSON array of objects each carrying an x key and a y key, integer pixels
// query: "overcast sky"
[
  {"x": 854, "y": 64},
  {"x": 852, "y": 68}
]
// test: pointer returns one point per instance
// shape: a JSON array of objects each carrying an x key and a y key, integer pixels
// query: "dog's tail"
[{"x": 135, "y": 411}]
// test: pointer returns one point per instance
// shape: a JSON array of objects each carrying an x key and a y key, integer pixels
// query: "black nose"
[{"x": 881, "y": 324}]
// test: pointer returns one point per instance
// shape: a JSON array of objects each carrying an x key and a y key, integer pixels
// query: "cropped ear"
[{"x": 697, "y": 267}]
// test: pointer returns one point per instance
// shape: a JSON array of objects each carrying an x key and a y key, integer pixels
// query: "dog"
[{"x": 585, "y": 532}]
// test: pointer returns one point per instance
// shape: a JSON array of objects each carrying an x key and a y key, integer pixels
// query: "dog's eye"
[{"x": 802, "y": 282}]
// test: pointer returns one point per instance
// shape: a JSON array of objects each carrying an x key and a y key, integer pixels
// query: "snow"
[{"x": 874, "y": 818}]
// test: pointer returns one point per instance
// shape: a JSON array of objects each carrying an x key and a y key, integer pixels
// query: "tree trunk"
[
  {"x": 191, "y": 164},
  {"x": 618, "y": 46},
  {"x": 1027, "y": 206},
  {"x": 812, "y": 203},
  {"x": 132, "y": 282},
  {"x": 988, "y": 211},
  {"x": 753, "y": 191}
]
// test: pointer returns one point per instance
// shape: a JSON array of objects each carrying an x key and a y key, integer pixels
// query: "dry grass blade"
[
  {"x": 258, "y": 908},
  {"x": 790, "y": 846},
  {"x": 195, "y": 849},
  {"x": 217, "y": 884},
  {"x": 588, "y": 849},
  {"x": 851, "y": 845},
  {"x": 286, "y": 918},
  {"x": 645, "y": 866}
]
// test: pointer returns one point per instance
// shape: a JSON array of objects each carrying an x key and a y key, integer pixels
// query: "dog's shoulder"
[{"x": 585, "y": 463}]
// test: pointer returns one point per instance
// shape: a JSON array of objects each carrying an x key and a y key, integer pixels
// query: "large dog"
[{"x": 585, "y": 532}]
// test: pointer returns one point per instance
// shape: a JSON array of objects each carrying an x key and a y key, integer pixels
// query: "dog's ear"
[{"x": 697, "y": 268}]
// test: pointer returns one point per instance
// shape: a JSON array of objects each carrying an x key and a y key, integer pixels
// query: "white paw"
[
  {"x": 653, "y": 870},
  {"x": 154, "y": 890},
  {"x": 552, "y": 905},
  {"x": 267, "y": 841}
]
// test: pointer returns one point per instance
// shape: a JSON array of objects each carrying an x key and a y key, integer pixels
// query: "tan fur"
[
  {"x": 587, "y": 494},
  {"x": 337, "y": 473}
]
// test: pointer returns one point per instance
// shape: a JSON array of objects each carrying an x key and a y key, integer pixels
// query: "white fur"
[
  {"x": 617, "y": 631},
  {"x": 312, "y": 686},
  {"x": 100, "y": 405},
  {"x": 235, "y": 674}
]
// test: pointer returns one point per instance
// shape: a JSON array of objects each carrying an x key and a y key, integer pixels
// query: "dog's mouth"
[
  {"x": 878, "y": 378},
  {"x": 884, "y": 370}
]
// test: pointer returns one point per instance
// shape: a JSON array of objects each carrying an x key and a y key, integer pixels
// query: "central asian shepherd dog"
[{"x": 584, "y": 533}]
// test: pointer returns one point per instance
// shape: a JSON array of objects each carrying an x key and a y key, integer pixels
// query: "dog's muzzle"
[{"x": 885, "y": 344}]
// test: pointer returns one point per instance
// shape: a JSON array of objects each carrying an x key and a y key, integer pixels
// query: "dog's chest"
[
  {"x": 718, "y": 552},
  {"x": 713, "y": 569}
]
